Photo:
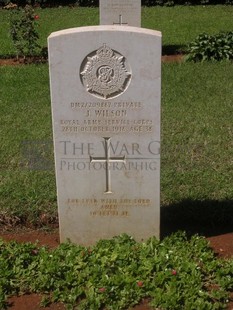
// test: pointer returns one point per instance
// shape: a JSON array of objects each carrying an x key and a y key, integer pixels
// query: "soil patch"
[
  {"x": 173, "y": 58},
  {"x": 17, "y": 62},
  {"x": 221, "y": 244},
  {"x": 21, "y": 61},
  {"x": 50, "y": 239},
  {"x": 31, "y": 302}
]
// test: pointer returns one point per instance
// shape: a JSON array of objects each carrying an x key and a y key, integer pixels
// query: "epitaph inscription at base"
[{"x": 105, "y": 93}]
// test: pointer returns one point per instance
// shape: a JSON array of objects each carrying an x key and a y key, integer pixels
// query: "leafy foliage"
[
  {"x": 211, "y": 47},
  {"x": 175, "y": 273},
  {"x": 23, "y": 32}
]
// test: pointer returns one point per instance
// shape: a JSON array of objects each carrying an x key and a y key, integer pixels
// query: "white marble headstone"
[
  {"x": 123, "y": 12},
  {"x": 105, "y": 86}
]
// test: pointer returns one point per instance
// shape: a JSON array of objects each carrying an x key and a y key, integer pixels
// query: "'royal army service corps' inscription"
[
  {"x": 105, "y": 93},
  {"x": 105, "y": 73}
]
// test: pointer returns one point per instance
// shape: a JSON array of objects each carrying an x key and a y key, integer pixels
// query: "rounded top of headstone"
[{"x": 106, "y": 28}]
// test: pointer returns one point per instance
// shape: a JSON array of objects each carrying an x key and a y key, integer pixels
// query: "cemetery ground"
[
  {"x": 196, "y": 183},
  {"x": 196, "y": 189}
]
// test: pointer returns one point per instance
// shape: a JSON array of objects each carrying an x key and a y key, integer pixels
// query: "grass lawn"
[
  {"x": 179, "y": 25},
  {"x": 197, "y": 131},
  {"x": 196, "y": 137}
]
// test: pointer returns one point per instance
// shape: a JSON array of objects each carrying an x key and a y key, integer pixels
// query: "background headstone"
[
  {"x": 123, "y": 12},
  {"x": 105, "y": 92}
]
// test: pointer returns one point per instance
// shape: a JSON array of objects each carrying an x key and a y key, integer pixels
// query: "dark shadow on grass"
[
  {"x": 173, "y": 49},
  {"x": 207, "y": 217}
]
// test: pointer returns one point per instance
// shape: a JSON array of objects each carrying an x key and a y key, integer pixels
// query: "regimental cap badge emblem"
[{"x": 105, "y": 73}]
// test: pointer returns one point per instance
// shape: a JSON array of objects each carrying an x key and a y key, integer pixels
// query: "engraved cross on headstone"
[
  {"x": 107, "y": 159},
  {"x": 120, "y": 21}
]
